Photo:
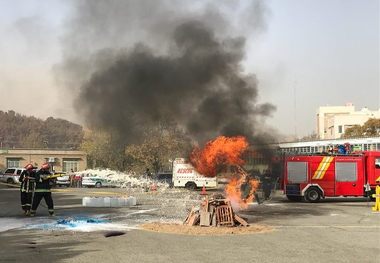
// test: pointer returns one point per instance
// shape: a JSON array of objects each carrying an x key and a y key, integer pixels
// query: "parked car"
[
  {"x": 62, "y": 180},
  {"x": 11, "y": 175},
  {"x": 94, "y": 181}
]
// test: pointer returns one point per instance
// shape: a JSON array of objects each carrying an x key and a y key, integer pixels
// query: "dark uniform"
[
  {"x": 27, "y": 180},
  {"x": 42, "y": 190}
]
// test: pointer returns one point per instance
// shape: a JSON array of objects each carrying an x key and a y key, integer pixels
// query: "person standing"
[
  {"x": 27, "y": 180},
  {"x": 42, "y": 190}
]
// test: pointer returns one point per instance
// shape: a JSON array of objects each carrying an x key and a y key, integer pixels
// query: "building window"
[
  {"x": 13, "y": 162},
  {"x": 70, "y": 164},
  {"x": 340, "y": 129}
]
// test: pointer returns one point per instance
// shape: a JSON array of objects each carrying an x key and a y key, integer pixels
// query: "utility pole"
[{"x": 295, "y": 108}]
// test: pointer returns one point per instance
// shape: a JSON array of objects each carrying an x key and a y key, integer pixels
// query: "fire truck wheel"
[
  {"x": 313, "y": 195},
  {"x": 190, "y": 186},
  {"x": 294, "y": 198}
]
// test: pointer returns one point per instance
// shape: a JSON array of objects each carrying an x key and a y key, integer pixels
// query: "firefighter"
[
  {"x": 267, "y": 184},
  {"x": 27, "y": 180},
  {"x": 42, "y": 190}
]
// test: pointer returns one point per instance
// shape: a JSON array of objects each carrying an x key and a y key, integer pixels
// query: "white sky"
[{"x": 313, "y": 53}]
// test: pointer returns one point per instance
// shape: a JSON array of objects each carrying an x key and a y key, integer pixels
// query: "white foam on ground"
[{"x": 120, "y": 179}]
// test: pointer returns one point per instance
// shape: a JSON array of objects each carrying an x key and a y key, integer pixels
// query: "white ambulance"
[{"x": 184, "y": 175}]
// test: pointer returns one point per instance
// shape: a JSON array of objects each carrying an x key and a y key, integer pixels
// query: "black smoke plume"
[
  {"x": 190, "y": 75},
  {"x": 199, "y": 86}
]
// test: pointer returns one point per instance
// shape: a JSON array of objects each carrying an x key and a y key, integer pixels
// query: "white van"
[{"x": 184, "y": 175}]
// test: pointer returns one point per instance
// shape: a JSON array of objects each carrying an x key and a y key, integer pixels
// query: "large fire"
[
  {"x": 227, "y": 151},
  {"x": 221, "y": 151},
  {"x": 240, "y": 191}
]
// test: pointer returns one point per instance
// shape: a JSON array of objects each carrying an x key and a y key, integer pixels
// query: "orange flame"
[
  {"x": 221, "y": 151},
  {"x": 240, "y": 191}
]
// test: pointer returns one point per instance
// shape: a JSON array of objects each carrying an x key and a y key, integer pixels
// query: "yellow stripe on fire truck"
[
  {"x": 378, "y": 179},
  {"x": 319, "y": 168},
  {"x": 322, "y": 168}
]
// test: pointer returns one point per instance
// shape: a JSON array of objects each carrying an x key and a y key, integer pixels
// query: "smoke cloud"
[{"x": 181, "y": 65}]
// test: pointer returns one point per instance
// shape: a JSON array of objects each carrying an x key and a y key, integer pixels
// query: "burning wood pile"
[
  {"x": 240, "y": 191},
  {"x": 215, "y": 211}
]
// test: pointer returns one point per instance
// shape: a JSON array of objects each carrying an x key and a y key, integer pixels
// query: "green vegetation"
[
  {"x": 369, "y": 128},
  {"x": 19, "y": 131},
  {"x": 158, "y": 147}
]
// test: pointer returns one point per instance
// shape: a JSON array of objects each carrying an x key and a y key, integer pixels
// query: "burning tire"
[
  {"x": 313, "y": 195},
  {"x": 190, "y": 186}
]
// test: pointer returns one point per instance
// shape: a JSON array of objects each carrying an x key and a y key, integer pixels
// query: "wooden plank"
[
  {"x": 240, "y": 220},
  {"x": 213, "y": 221},
  {"x": 192, "y": 220},
  {"x": 205, "y": 218},
  {"x": 196, "y": 220}
]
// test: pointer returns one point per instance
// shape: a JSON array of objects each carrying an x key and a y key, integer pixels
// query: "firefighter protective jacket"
[
  {"x": 27, "y": 179},
  {"x": 43, "y": 183}
]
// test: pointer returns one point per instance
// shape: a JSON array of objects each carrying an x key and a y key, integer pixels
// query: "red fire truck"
[{"x": 312, "y": 177}]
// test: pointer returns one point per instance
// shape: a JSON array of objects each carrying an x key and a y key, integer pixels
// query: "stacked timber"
[{"x": 214, "y": 212}]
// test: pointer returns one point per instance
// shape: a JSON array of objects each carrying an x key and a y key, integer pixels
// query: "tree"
[
  {"x": 310, "y": 137},
  {"x": 159, "y": 148},
  {"x": 369, "y": 128},
  {"x": 372, "y": 127},
  {"x": 102, "y": 151},
  {"x": 352, "y": 132},
  {"x": 21, "y": 131}
]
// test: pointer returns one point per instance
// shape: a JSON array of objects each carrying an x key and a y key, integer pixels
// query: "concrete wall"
[{"x": 57, "y": 158}]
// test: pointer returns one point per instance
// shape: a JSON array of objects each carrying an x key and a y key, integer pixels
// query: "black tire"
[
  {"x": 10, "y": 181},
  {"x": 98, "y": 184},
  {"x": 313, "y": 195},
  {"x": 294, "y": 198},
  {"x": 190, "y": 186}
]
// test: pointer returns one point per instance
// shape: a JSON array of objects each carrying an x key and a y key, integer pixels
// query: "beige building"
[
  {"x": 60, "y": 160},
  {"x": 332, "y": 121}
]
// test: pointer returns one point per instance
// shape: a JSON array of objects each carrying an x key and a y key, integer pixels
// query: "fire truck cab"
[{"x": 312, "y": 177}]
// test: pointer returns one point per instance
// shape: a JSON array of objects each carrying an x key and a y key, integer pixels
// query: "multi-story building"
[
  {"x": 332, "y": 121},
  {"x": 60, "y": 160}
]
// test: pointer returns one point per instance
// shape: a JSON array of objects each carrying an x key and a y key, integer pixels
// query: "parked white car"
[
  {"x": 11, "y": 175},
  {"x": 94, "y": 181},
  {"x": 63, "y": 180}
]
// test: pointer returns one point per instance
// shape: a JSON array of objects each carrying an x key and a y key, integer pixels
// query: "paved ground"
[{"x": 336, "y": 230}]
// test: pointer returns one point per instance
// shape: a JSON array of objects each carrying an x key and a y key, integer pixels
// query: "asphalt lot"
[{"x": 335, "y": 230}]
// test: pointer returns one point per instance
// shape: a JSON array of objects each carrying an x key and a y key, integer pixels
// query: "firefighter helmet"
[
  {"x": 45, "y": 166},
  {"x": 29, "y": 166}
]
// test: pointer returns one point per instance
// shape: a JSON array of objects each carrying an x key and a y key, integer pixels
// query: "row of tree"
[
  {"x": 369, "y": 128},
  {"x": 20, "y": 131},
  {"x": 155, "y": 151}
]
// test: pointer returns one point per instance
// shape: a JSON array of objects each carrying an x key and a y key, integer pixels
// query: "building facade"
[
  {"x": 60, "y": 160},
  {"x": 332, "y": 121}
]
